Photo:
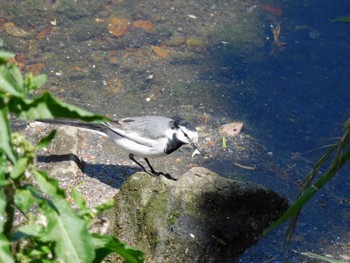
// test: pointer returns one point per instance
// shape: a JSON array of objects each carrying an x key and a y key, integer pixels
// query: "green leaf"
[
  {"x": 46, "y": 140},
  {"x": 17, "y": 77},
  {"x": 6, "y": 210},
  {"x": 11, "y": 81},
  {"x": 345, "y": 19},
  {"x": 39, "y": 81},
  {"x": 2, "y": 209},
  {"x": 4, "y": 169},
  {"x": 4, "y": 55},
  {"x": 48, "y": 107},
  {"x": 105, "y": 206},
  {"x": 27, "y": 231},
  {"x": 107, "y": 244},
  {"x": 19, "y": 168},
  {"x": 5, "y": 133},
  {"x": 42, "y": 254},
  {"x": 33, "y": 83},
  {"x": 49, "y": 185},
  {"x": 5, "y": 252},
  {"x": 78, "y": 199},
  {"x": 70, "y": 233},
  {"x": 24, "y": 199}
]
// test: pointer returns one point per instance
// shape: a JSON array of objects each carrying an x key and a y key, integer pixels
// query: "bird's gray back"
[{"x": 152, "y": 127}]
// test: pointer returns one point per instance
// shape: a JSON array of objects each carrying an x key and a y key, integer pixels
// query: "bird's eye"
[{"x": 188, "y": 137}]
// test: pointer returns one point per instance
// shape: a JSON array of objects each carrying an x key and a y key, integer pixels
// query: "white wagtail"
[{"x": 147, "y": 137}]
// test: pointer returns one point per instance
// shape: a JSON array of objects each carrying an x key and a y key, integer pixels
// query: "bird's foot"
[
  {"x": 166, "y": 175},
  {"x": 152, "y": 172}
]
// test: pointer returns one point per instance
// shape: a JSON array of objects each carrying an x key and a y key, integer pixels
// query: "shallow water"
[{"x": 216, "y": 62}]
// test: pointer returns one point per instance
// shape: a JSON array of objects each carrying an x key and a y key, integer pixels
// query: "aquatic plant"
[
  {"x": 345, "y": 19},
  {"x": 337, "y": 155}
]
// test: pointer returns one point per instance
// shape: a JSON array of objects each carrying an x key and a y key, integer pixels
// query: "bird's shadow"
[{"x": 110, "y": 174}]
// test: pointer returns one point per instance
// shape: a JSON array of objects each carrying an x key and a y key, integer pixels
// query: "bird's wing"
[{"x": 144, "y": 130}]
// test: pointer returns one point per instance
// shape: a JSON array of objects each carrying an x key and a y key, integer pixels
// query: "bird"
[{"x": 145, "y": 136}]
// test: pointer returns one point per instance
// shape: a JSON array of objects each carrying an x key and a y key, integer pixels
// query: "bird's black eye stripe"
[{"x": 188, "y": 137}]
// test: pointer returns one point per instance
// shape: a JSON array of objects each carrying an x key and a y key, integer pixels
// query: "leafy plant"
[
  {"x": 53, "y": 231},
  {"x": 337, "y": 155}
]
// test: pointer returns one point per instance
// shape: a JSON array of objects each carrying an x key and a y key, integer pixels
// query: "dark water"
[
  {"x": 302, "y": 100},
  {"x": 292, "y": 99}
]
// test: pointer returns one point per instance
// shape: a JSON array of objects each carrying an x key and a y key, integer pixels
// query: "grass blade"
[{"x": 327, "y": 259}]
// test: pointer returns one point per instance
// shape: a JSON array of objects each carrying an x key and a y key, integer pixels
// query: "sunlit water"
[{"x": 292, "y": 96}]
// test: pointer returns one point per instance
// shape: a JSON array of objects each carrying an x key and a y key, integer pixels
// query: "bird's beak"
[
  {"x": 195, "y": 146},
  {"x": 196, "y": 149}
]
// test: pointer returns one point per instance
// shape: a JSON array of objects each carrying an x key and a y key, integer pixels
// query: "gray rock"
[{"x": 202, "y": 217}]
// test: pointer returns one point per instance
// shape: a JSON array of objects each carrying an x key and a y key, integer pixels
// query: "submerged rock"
[
  {"x": 119, "y": 27},
  {"x": 13, "y": 30},
  {"x": 231, "y": 129},
  {"x": 201, "y": 217},
  {"x": 196, "y": 44}
]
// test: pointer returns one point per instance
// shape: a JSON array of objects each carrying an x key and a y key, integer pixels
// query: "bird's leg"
[
  {"x": 152, "y": 172},
  {"x": 150, "y": 167},
  {"x": 168, "y": 176},
  {"x": 131, "y": 156}
]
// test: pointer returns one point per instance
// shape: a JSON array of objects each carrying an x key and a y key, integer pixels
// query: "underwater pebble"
[
  {"x": 161, "y": 51},
  {"x": 146, "y": 25},
  {"x": 13, "y": 30},
  {"x": 118, "y": 27}
]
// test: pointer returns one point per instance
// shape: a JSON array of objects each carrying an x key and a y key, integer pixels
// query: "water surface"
[{"x": 210, "y": 62}]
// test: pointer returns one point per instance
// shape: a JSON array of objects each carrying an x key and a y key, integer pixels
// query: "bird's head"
[{"x": 188, "y": 136}]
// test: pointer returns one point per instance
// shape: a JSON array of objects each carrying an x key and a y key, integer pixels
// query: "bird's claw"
[{"x": 166, "y": 175}]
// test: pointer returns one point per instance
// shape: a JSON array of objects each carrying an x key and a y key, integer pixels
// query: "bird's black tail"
[{"x": 94, "y": 127}]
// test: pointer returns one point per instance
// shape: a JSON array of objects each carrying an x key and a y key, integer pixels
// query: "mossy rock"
[
  {"x": 200, "y": 217},
  {"x": 196, "y": 44}
]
